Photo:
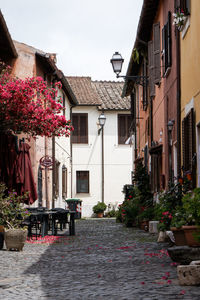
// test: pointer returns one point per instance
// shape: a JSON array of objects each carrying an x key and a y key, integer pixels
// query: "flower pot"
[
  {"x": 15, "y": 239},
  {"x": 1, "y": 236},
  {"x": 144, "y": 225},
  {"x": 190, "y": 232},
  {"x": 179, "y": 236},
  {"x": 100, "y": 215}
]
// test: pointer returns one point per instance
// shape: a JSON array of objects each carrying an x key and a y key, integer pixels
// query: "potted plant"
[
  {"x": 146, "y": 215},
  {"x": 12, "y": 214},
  {"x": 179, "y": 20},
  {"x": 191, "y": 206},
  {"x": 177, "y": 222},
  {"x": 99, "y": 209}
]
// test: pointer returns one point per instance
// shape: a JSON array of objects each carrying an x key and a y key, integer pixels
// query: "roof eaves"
[
  {"x": 60, "y": 76},
  {"x": 147, "y": 16},
  {"x": 12, "y": 48}
]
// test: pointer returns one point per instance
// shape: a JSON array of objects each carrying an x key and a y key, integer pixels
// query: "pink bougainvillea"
[{"x": 30, "y": 106}]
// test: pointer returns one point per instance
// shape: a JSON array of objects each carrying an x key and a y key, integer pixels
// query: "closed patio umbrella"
[{"x": 24, "y": 174}]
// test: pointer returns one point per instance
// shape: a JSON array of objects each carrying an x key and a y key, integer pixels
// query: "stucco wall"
[{"x": 117, "y": 161}]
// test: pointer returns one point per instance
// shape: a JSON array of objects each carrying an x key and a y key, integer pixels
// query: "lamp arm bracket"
[{"x": 141, "y": 80}]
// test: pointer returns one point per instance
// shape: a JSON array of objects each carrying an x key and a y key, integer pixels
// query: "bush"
[{"x": 100, "y": 207}]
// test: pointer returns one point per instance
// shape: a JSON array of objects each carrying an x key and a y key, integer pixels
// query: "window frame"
[
  {"x": 78, "y": 138},
  {"x": 78, "y": 191},
  {"x": 64, "y": 183},
  {"x": 127, "y": 129},
  {"x": 167, "y": 45}
]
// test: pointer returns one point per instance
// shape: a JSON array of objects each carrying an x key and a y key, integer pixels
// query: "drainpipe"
[
  {"x": 178, "y": 66},
  {"x": 71, "y": 161},
  {"x": 133, "y": 99},
  {"x": 46, "y": 175},
  {"x": 53, "y": 172}
]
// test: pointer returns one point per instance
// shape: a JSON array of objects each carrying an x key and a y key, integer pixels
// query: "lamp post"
[
  {"x": 117, "y": 62},
  {"x": 170, "y": 126},
  {"x": 102, "y": 121}
]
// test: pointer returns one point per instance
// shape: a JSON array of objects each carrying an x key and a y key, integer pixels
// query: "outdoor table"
[{"x": 49, "y": 217}]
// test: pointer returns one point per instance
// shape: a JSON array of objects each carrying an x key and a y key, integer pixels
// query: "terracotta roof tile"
[
  {"x": 83, "y": 90},
  {"x": 110, "y": 93},
  {"x": 105, "y": 94}
]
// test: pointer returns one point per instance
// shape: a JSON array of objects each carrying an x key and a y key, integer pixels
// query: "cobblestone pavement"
[{"x": 103, "y": 261}]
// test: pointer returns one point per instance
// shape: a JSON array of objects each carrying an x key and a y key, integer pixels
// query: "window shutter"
[
  {"x": 151, "y": 69},
  {"x": 169, "y": 41},
  {"x": 183, "y": 142},
  {"x": 145, "y": 102},
  {"x": 156, "y": 52},
  {"x": 121, "y": 129},
  {"x": 80, "y": 124},
  {"x": 188, "y": 6},
  {"x": 75, "y": 125},
  {"x": 192, "y": 146},
  {"x": 64, "y": 183},
  {"x": 83, "y": 129}
]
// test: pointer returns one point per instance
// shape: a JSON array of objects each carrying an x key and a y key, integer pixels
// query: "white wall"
[
  {"x": 87, "y": 157},
  {"x": 63, "y": 155}
]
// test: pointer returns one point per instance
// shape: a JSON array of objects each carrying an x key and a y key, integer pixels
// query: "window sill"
[{"x": 185, "y": 28}]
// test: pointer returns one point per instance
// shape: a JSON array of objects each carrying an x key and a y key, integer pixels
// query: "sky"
[{"x": 83, "y": 33}]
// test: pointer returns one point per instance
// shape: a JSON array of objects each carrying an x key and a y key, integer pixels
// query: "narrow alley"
[{"x": 104, "y": 260}]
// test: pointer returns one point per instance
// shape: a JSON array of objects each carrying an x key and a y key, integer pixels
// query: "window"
[
  {"x": 64, "y": 182},
  {"x": 151, "y": 69},
  {"x": 189, "y": 145},
  {"x": 57, "y": 165},
  {"x": 124, "y": 124},
  {"x": 82, "y": 181},
  {"x": 183, "y": 5},
  {"x": 166, "y": 45},
  {"x": 145, "y": 93},
  {"x": 80, "y": 124}
]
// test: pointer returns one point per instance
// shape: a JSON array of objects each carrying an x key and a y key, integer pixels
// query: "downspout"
[
  {"x": 54, "y": 171},
  {"x": 178, "y": 66},
  {"x": 46, "y": 175},
  {"x": 71, "y": 153},
  {"x": 133, "y": 98}
]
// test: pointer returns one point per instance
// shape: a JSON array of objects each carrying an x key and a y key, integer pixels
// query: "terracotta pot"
[
  {"x": 144, "y": 225},
  {"x": 190, "y": 232},
  {"x": 179, "y": 236},
  {"x": 15, "y": 239},
  {"x": 100, "y": 215},
  {"x": 189, "y": 176}
]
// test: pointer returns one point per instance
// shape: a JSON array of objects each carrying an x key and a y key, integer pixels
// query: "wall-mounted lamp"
[
  {"x": 117, "y": 62},
  {"x": 170, "y": 125},
  {"x": 102, "y": 121},
  {"x": 64, "y": 168}
]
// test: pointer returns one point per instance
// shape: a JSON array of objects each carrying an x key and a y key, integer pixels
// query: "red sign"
[{"x": 46, "y": 161}]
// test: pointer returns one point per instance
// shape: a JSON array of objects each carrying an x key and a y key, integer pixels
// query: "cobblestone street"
[{"x": 103, "y": 261}]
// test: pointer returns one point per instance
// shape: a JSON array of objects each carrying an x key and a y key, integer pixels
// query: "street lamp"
[
  {"x": 170, "y": 126},
  {"x": 102, "y": 121},
  {"x": 117, "y": 62}
]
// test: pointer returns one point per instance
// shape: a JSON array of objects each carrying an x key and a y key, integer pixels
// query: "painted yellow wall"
[{"x": 190, "y": 62}]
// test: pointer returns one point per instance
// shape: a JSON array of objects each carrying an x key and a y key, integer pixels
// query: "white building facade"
[{"x": 99, "y": 173}]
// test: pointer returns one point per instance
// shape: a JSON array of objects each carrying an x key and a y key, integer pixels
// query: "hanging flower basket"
[{"x": 179, "y": 20}]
